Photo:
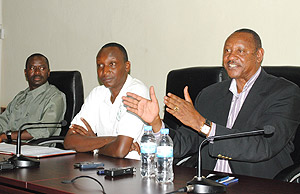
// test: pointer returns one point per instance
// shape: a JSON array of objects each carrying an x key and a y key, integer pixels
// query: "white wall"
[
  {"x": 0, "y": 53},
  {"x": 159, "y": 35}
]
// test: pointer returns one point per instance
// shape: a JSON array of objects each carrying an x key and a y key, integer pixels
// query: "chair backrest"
[
  {"x": 198, "y": 78},
  {"x": 291, "y": 73},
  {"x": 70, "y": 83}
]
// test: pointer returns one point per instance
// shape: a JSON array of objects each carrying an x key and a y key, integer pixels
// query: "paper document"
[{"x": 33, "y": 151}]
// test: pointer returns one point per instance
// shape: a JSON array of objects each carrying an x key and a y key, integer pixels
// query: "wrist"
[
  {"x": 198, "y": 125},
  {"x": 205, "y": 128},
  {"x": 3, "y": 136},
  {"x": 8, "y": 136},
  {"x": 156, "y": 124}
]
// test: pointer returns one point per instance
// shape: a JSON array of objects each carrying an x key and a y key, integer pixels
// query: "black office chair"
[
  {"x": 70, "y": 83},
  {"x": 291, "y": 173},
  {"x": 198, "y": 78}
]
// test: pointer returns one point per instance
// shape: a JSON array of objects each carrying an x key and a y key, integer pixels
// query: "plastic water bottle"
[
  {"x": 164, "y": 156},
  {"x": 148, "y": 150}
]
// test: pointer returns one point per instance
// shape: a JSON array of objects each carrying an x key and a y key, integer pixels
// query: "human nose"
[
  {"x": 106, "y": 69},
  {"x": 231, "y": 55},
  {"x": 37, "y": 70}
]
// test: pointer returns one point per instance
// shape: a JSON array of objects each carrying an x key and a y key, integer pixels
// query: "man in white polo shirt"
[{"x": 104, "y": 124}]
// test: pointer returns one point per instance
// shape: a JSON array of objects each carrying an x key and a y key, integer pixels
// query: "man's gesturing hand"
[
  {"x": 184, "y": 110},
  {"x": 146, "y": 109}
]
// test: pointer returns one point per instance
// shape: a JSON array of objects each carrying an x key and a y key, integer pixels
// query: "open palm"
[{"x": 146, "y": 109}]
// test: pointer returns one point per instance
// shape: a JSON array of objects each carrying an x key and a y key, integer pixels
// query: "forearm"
[
  {"x": 43, "y": 132},
  {"x": 186, "y": 141},
  {"x": 260, "y": 147},
  {"x": 197, "y": 122},
  {"x": 279, "y": 109},
  {"x": 82, "y": 143},
  {"x": 118, "y": 148},
  {"x": 25, "y": 135},
  {"x": 14, "y": 135}
]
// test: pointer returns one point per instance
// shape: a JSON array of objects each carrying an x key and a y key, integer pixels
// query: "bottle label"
[
  {"x": 148, "y": 147},
  {"x": 164, "y": 151}
]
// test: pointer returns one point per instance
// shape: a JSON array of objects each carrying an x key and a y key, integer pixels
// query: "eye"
[
  {"x": 227, "y": 50},
  {"x": 100, "y": 65},
  {"x": 112, "y": 64},
  {"x": 42, "y": 68}
]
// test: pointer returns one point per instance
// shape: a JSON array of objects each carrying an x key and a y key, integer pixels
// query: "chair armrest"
[{"x": 289, "y": 174}]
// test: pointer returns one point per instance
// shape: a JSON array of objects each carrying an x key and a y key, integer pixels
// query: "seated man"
[
  {"x": 249, "y": 101},
  {"x": 40, "y": 102},
  {"x": 103, "y": 123}
]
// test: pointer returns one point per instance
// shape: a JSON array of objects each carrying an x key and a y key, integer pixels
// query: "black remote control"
[
  {"x": 88, "y": 165},
  {"x": 113, "y": 172},
  {"x": 6, "y": 165}
]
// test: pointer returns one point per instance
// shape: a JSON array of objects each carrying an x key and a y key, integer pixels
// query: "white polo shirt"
[{"x": 107, "y": 119}]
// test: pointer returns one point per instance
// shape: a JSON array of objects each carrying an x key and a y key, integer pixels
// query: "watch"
[
  {"x": 8, "y": 136},
  {"x": 206, "y": 127}
]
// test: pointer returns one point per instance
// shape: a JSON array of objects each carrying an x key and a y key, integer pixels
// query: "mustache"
[
  {"x": 107, "y": 78},
  {"x": 36, "y": 76},
  {"x": 231, "y": 62}
]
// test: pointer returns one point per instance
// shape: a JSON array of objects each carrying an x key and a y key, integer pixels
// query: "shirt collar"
[
  {"x": 248, "y": 85},
  {"x": 126, "y": 84},
  {"x": 38, "y": 90}
]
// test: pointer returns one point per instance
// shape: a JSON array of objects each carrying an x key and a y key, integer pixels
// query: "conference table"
[{"x": 47, "y": 179}]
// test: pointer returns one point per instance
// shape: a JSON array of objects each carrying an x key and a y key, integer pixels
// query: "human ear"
[
  {"x": 260, "y": 55},
  {"x": 127, "y": 66},
  {"x": 25, "y": 73}
]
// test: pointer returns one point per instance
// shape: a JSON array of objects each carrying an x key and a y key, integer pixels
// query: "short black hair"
[
  {"x": 36, "y": 55},
  {"x": 256, "y": 37},
  {"x": 122, "y": 49}
]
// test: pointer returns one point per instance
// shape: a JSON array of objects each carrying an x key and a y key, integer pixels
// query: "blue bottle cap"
[
  {"x": 164, "y": 131},
  {"x": 148, "y": 128}
]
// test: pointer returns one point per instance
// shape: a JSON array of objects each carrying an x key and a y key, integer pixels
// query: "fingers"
[
  {"x": 152, "y": 94},
  {"x": 86, "y": 124},
  {"x": 77, "y": 129},
  {"x": 171, "y": 111},
  {"x": 173, "y": 101},
  {"x": 132, "y": 99},
  {"x": 172, "y": 98},
  {"x": 138, "y": 147},
  {"x": 133, "y": 96},
  {"x": 130, "y": 102},
  {"x": 134, "y": 110},
  {"x": 135, "y": 147},
  {"x": 90, "y": 131},
  {"x": 187, "y": 95}
]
